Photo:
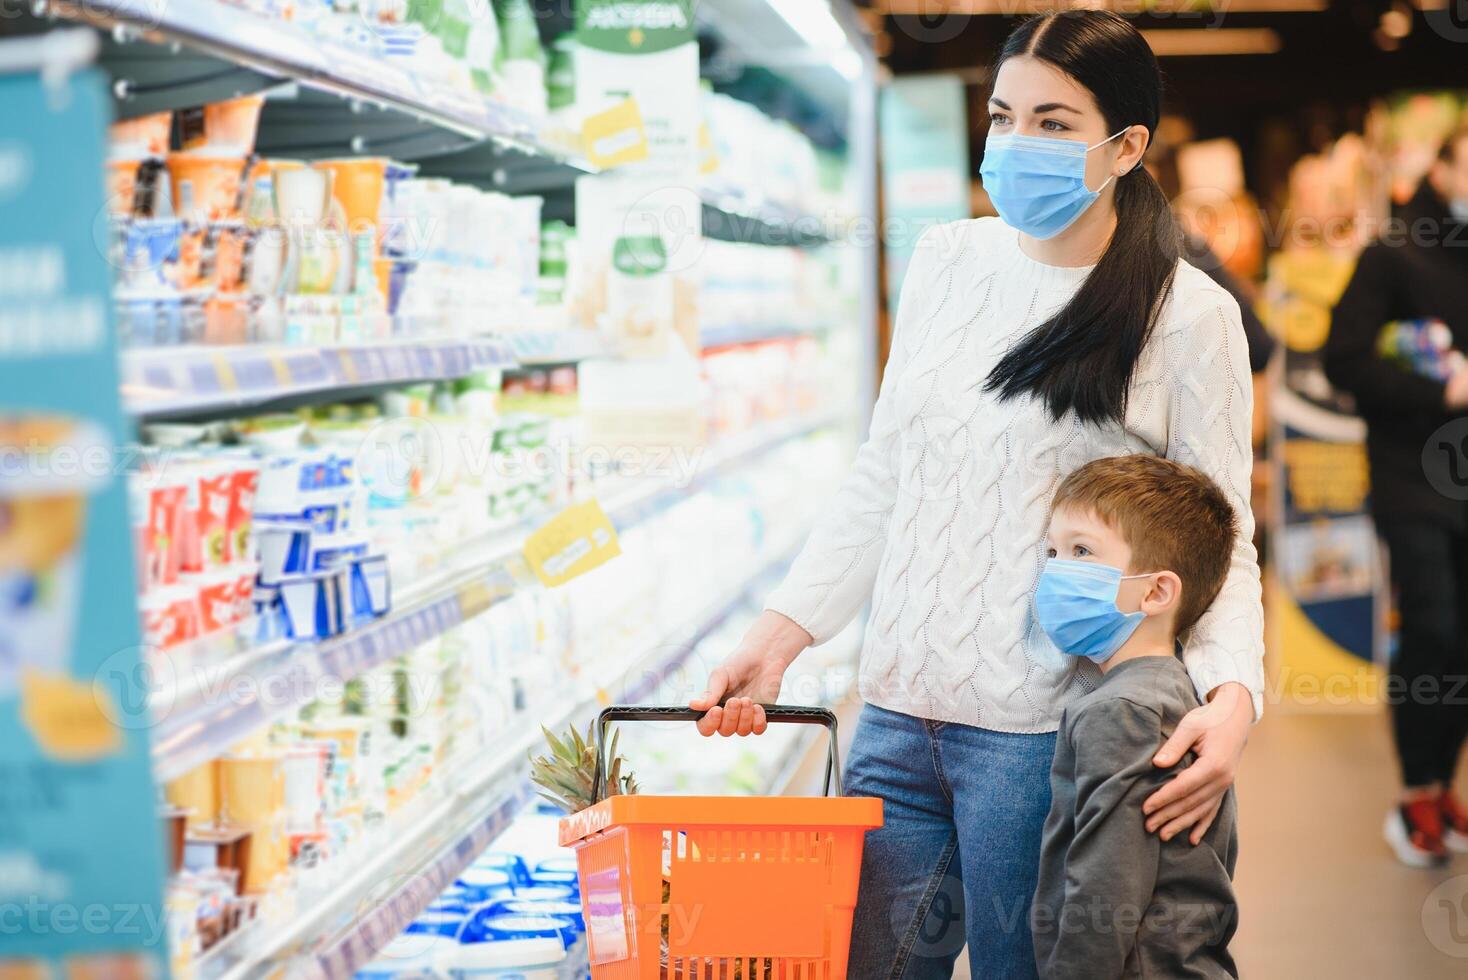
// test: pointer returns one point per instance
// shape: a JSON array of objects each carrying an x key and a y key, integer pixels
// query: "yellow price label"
[
  {"x": 281, "y": 370},
  {"x": 572, "y": 543},
  {"x": 615, "y": 136},
  {"x": 224, "y": 371}
]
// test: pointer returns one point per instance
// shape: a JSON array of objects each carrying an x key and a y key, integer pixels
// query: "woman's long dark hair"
[{"x": 1083, "y": 357}]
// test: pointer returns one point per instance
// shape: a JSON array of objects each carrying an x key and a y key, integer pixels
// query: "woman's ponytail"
[{"x": 1082, "y": 358}]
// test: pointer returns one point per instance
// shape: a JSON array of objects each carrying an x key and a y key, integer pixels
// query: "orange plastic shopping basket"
[{"x": 716, "y": 887}]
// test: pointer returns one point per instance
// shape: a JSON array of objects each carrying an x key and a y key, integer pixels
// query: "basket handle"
[{"x": 786, "y": 713}]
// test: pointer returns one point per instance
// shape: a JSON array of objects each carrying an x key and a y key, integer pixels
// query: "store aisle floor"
[{"x": 1320, "y": 895}]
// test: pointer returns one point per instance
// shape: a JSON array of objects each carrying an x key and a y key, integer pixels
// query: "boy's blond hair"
[{"x": 1172, "y": 516}]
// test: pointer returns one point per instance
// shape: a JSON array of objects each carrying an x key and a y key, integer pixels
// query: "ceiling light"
[
  {"x": 812, "y": 20},
  {"x": 1396, "y": 22},
  {"x": 1225, "y": 40}
]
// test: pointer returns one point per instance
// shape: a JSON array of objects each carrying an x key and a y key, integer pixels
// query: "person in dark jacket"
[{"x": 1418, "y": 270}]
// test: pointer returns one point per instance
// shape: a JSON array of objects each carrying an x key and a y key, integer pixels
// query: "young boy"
[{"x": 1139, "y": 547}]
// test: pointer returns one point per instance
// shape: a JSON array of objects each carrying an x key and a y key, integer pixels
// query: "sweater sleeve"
[
  {"x": 1212, "y": 409},
  {"x": 1350, "y": 358},
  {"x": 834, "y": 574},
  {"x": 1111, "y": 863}
]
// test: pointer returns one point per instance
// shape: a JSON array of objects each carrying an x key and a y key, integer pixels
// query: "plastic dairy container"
[
  {"x": 546, "y": 893},
  {"x": 562, "y": 863},
  {"x": 485, "y": 884},
  {"x": 565, "y": 909},
  {"x": 523, "y": 959},
  {"x": 485, "y": 927},
  {"x": 567, "y": 878},
  {"x": 511, "y": 864}
]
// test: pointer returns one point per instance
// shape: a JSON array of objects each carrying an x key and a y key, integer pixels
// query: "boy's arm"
[{"x": 1111, "y": 866}]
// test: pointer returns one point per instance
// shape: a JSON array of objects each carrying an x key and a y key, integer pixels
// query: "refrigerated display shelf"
[
  {"x": 563, "y": 346},
  {"x": 199, "y": 716},
  {"x": 179, "y": 381},
  {"x": 742, "y": 214},
  {"x": 279, "y": 48},
  {"x": 571, "y": 345},
  {"x": 398, "y": 879}
]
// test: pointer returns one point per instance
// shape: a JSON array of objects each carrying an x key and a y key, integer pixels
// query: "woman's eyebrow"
[
  {"x": 1052, "y": 106},
  {"x": 999, "y": 102}
]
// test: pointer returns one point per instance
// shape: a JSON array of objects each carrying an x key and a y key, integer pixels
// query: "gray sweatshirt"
[{"x": 1112, "y": 899}]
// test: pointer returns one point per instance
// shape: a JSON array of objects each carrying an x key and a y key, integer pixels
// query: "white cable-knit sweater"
[{"x": 942, "y": 520}]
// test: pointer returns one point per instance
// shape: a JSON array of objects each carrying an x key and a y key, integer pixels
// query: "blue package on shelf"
[
  {"x": 513, "y": 864},
  {"x": 330, "y": 550},
  {"x": 285, "y": 549},
  {"x": 314, "y": 605},
  {"x": 371, "y": 587},
  {"x": 485, "y": 927}
]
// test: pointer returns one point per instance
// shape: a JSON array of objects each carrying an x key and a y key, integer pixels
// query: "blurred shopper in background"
[{"x": 1418, "y": 271}]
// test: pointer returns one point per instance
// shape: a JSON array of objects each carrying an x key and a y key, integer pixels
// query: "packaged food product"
[{"x": 205, "y": 188}]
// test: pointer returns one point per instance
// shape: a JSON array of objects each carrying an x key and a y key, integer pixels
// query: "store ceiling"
[{"x": 1317, "y": 62}]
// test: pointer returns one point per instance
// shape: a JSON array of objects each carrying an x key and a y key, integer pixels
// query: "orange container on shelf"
[
  {"x": 703, "y": 884},
  {"x": 205, "y": 188},
  {"x": 122, "y": 186},
  {"x": 229, "y": 126},
  {"x": 142, "y": 135},
  {"x": 358, "y": 184}
]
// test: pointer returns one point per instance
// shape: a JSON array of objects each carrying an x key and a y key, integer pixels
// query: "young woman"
[{"x": 1024, "y": 347}]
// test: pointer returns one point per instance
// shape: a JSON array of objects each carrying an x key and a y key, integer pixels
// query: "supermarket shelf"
[
  {"x": 731, "y": 336},
  {"x": 563, "y": 346},
  {"x": 171, "y": 382},
  {"x": 572, "y": 345},
  {"x": 739, "y": 214},
  {"x": 199, "y": 716},
  {"x": 274, "y": 48},
  {"x": 486, "y": 798}
]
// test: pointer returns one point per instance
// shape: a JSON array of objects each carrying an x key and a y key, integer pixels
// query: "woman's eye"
[
  {"x": 1054, "y": 126},
  {"x": 998, "y": 119}
]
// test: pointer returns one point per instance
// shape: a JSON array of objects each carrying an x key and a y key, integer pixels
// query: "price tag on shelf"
[
  {"x": 615, "y": 136},
  {"x": 572, "y": 543}
]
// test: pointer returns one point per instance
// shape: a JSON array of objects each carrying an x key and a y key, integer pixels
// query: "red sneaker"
[
  {"x": 1455, "y": 822},
  {"x": 1415, "y": 832}
]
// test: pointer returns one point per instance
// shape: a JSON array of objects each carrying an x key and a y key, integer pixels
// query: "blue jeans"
[{"x": 958, "y": 853}]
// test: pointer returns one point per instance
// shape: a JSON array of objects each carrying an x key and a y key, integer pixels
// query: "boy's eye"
[
  {"x": 1080, "y": 551},
  {"x": 1050, "y": 552}
]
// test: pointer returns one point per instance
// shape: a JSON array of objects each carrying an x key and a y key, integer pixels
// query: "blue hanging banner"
[
  {"x": 81, "y": 857},
  {"x": 925, "y": 165}
]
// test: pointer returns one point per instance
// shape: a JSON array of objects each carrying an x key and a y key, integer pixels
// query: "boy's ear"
[{"x": 1163, "y": 595}]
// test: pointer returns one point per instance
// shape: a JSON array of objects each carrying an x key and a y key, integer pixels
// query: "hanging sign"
[{"x": 81, "y": 861}]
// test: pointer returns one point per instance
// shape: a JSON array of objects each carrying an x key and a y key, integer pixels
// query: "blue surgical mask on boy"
[
  {"x": 1076, "y": 605},
  {"x": 1038, "y": 183}
]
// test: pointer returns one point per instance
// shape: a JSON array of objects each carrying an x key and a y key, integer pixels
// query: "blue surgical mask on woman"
[
  {"x": 1076, "y": 605},
  {"x": 1038, "y": 183}
]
